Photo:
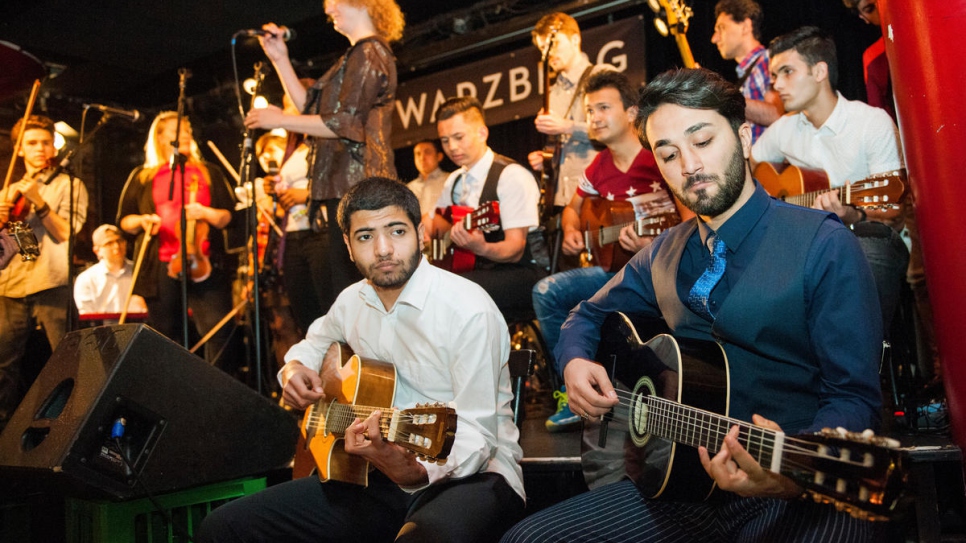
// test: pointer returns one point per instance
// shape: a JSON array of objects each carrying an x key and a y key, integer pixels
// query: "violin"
[
  {"x": 16, "y": 220},
  {"x": 199, "y": 267}
]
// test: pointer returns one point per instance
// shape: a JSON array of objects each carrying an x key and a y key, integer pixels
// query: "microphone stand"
[
  {"x": 245, "y": 181},
  {"x": 72, "y": 315},
  {"x": 176, "y": 160}
]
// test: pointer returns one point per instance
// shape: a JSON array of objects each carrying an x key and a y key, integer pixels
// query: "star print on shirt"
[
  {"x": 610, "y": 196},
  {"x": 656, "y": 187},
  {"x": 631, "y": 192}
]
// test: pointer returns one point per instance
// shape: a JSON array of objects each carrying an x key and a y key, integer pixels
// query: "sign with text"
[{"x": 510, "y": 85}]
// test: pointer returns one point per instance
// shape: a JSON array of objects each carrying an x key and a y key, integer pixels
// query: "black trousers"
[{"x": 475, "y": 509}]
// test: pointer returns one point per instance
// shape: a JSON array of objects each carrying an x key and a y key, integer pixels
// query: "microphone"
[
  {"x": 130, "y": 114},
  {"x": 284, "y": 32}
]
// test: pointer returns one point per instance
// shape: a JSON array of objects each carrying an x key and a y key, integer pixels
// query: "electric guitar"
[
  {"x": 675, "y": 15},
  {"x": 602, "y": 221},
  {"x": 355, "y": 387},
  {"x": 800, "y": 186},
  {"x": 679, "y": 396},
  {"x": 443, "y": 253}
]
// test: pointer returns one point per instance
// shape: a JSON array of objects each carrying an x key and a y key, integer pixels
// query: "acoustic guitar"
[
  {"x": 355, "y": 387},
  {"x": 443, "y": 253},
  {"x": 678, "y": 395},
  {"x": 602, "y": 221},
  {"x": 800, "y": 186}
]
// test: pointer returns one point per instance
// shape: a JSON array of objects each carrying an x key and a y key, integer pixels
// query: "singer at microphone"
[
  {"x": 130, "y": 114},
  {"x": 284, "y": 32}
]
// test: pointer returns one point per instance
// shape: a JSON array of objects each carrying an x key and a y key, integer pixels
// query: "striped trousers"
[{"x": 618, "y": 513}]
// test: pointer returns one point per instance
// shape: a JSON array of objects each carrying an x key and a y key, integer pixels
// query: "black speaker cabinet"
[{"x": 115, "y": 404}]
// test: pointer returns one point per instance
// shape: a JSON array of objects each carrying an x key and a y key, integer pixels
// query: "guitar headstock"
[
  {"x": 884, "y": 190},
  {"x": 426, "y": 430},
  {"x": 860, "y": 473},
  {"x": 485, "y": 218},
  {"x": 655, "y": 225},
  {"x": 677, "y": 12}
]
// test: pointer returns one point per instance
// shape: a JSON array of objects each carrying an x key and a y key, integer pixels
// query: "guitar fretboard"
[
  {"x": 698, "y": 428},
  {"x": 338, "y": 417}
]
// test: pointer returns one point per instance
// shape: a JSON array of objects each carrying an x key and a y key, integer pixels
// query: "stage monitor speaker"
[{"x": 115, "y": 404}]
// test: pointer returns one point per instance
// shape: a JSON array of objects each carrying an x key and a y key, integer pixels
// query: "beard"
[
  {"x": 395, "y": 279},
  {"x": 728, "y": 190}
]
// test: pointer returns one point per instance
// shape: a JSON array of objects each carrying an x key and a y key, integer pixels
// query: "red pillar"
[{"x": 925, "y": 46}]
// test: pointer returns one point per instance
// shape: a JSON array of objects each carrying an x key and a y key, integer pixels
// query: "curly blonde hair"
[{"x": 385, "y": 14}]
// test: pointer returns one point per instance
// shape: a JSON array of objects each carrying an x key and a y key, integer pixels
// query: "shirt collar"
[
  {"x": 415, "y": 294},
  {"x": 482, "y": 167},
  {"x": 738, "y": 226},
  {"x": 836, "y": 121}
]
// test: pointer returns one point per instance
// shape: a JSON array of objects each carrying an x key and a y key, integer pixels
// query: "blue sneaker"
[{"x": 564, "y": 419}]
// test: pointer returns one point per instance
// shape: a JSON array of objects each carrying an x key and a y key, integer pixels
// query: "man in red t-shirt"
[{"x": 623, "y": 171}]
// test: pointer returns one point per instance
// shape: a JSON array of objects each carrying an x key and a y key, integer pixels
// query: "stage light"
[{"x": 63, "y": 131}]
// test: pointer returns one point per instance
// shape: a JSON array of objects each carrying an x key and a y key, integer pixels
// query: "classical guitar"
[
  {"x": 677, "y": 15},
  {"x": 443, "y": 253},
  {"x": 355, "y": 387},
  {"x": 679, "y": 395},
  {"x": 800, "y": 186},
  {"x": 602, "y": 220}
]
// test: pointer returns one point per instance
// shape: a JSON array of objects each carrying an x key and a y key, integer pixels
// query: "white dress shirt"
[
  {"x": 517, "y": 190},
  {"x": 855, "y": 142},
  {"x": 449, "y": 343},
  {"x": 98, "y": 290}
]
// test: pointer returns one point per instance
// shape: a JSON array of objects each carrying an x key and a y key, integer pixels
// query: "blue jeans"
[{"x": 555, "y": 296}]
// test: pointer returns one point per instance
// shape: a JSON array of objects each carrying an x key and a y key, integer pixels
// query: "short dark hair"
[
  {"x": 611, "y": 79},
  {"x": 433, "y": 142},
  {"x": 375, "y": 193},
  {"x": 739, "y": 10},
  {"x": 38, "y": 122},
  {"x": 459, "y": 104},
  {"x": 813, "y": 45},
  {"x": 693, "y": 89}
]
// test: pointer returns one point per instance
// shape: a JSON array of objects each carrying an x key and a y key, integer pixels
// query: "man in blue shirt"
[{"x": 794, "y": 311}]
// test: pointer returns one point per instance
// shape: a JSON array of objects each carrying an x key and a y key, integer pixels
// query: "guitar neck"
[
  {"x": 611, "y": 234},
  {"x": 806, "y": 199},
  {"x": 340, "y": 417},
  {"x": 685, "y": 49},
  {"x": 698, "y": 428}
]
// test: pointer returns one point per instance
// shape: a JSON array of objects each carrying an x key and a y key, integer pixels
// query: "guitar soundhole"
[{"x": 637, "y": 413}]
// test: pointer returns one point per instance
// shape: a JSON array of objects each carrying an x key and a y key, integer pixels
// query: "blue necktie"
[{"x": 698, "y": 297}]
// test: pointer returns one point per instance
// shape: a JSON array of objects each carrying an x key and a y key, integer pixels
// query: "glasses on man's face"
[{"x": 112, "y": 243}]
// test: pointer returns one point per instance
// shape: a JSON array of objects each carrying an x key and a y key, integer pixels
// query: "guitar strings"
[{"x": 716, "y": 431}]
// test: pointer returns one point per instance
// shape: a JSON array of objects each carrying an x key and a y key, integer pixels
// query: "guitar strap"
[
  {"x": 580, "y": 88},
  {"x": 743, "y": 78}
]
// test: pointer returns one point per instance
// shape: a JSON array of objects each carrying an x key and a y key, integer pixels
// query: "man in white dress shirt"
[
  {"x": 103, "y": 287},
  {"x": 449, "y": 344}
]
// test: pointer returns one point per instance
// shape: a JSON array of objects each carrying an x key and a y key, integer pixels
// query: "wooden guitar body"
[
  {"x": 347, "y": 380},
  {"x": 783, "y": 180},
  {"x": 356, "y": 387}
]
